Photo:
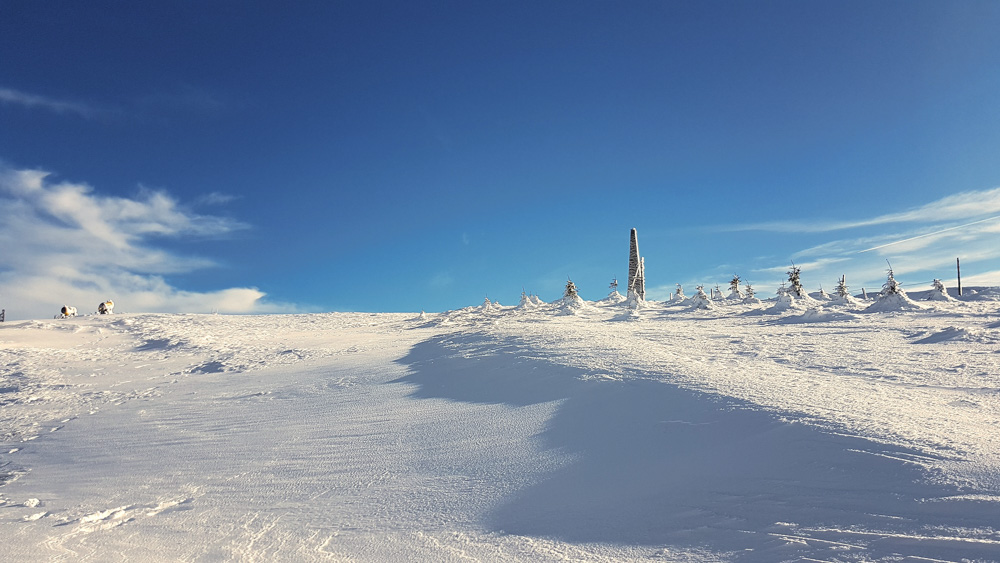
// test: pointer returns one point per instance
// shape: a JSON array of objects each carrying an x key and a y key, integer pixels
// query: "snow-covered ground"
[{"x": 737, "y": 432}]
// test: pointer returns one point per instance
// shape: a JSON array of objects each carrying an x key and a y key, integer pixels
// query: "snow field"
[{"x": 496, "y": 433}]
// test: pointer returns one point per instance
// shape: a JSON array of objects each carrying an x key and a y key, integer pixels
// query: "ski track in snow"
[{"x": 555, "y": 432}]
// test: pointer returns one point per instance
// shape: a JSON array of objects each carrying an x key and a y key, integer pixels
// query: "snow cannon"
[
  {"x": 68, "y": 311},
  {"x": 106, "y": 308}
]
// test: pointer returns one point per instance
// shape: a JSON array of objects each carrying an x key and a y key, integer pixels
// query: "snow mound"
[
  {"x": 893, "y": 302},
  {"x": 527, "y": 303},
  {"x": 816, "y": 315},
  {"x": 627, "y": 314},
  {"x": 700, "y": 300},
  {"x": 845, "y": 300},
  {"x": 613, "y": 298},
  {"x": 571, "y": 304},
  {"x": 958, "y": 334},
  {"x": 820, "y": 295},
  {"x": 939, "y": 292},
  {"x": 784, "y": 302}
]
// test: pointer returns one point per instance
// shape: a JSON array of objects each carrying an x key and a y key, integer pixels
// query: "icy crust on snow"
[{"x": 499, "y": 433}]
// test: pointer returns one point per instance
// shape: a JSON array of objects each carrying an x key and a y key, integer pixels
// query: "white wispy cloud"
[
  {"x": 66, "y": 244},
  {"x": 958, "y": 207},
  {"x": 916, "y": 255},
  {"x": 16, "y": 97},
  {"x": 920, "y": 243}
]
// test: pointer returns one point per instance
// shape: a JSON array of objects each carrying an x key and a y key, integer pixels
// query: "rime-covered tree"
[
  {"x": 842, "y": 289},
  {"x": 613, "y": 296},
  {"x": 891, "y": 286},
  {"x": 734, "y": 288},
  {"x": 940, "y": 292},
  {"x": 782, "y": 290},
  {"x": 892, "y": 297},
  {"x": 526, "y": 302},
  {"x": 700, "y": 299},
  {"x": 796, "y": 289},
  {"x": 570, "y": 292}
]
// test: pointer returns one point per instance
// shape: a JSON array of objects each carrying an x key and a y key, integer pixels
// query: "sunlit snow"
[{"x": 745, "y": 431}]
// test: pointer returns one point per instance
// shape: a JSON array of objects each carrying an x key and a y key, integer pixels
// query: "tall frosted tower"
[{"x": 636, "y": 267}]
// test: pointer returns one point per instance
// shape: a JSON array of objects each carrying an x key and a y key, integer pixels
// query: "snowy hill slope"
[{"x": 505, "y": 434}]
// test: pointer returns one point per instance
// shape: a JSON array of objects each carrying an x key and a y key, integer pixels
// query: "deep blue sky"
[{"x": 399, "y": 156}]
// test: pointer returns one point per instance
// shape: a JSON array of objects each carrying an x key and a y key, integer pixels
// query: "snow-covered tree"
[
  {"x": 570, "y": 292},
  {"x": 750, "y": 296},
  {"x": 893, "y": 297},
  {"x": 571, "y": 301},
  {"x": 614, "y": 297},
  {"x": 734, "y": 288},
  {"x": 939, "y": 293},
  {"x": 679, "y": 294},
  {"x": 842, "y": 294},
  {"x": 796, "y": 289},
  {"x": 526, "y": 302},
  {"x": 700, "y": 299},
  {"x": 487, "y": 306},
  {"x": 842, "y": 289},
  {"x": 891, "y": 286}
]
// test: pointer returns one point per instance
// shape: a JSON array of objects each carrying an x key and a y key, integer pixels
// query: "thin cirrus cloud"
[
  {"x": 10, "y": 96},
  {"x": 923, "y": 241},
  {"x": 957, "y": 207},
  {"x": 66, "y": 244}
]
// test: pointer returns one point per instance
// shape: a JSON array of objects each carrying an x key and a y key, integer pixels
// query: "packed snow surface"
[{"x": 744, "y": 432}]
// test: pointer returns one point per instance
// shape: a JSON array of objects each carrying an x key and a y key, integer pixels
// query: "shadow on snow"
[{"x": 658, "y": 465}]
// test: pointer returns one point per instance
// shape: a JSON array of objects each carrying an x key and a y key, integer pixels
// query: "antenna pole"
[{"x": 958, "y": 266}]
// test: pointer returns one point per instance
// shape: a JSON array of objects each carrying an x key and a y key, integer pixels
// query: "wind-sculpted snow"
[{"x": 736, "y": 433}]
